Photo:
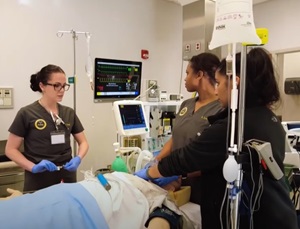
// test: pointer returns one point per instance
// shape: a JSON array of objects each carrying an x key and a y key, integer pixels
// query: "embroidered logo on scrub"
[
  {"x": 183, "y": 111},
  {"x": 203, "y": 117},
  {"x": 40, "y": 124}
]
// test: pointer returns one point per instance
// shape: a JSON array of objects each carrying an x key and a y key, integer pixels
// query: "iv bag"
[
  {"x": 89, "y": 67},
  {"x": 89, "y": 62},
  {"x": 233, "y": 23}
]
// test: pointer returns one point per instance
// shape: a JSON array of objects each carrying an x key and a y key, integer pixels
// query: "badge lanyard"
[
  {"x": 54, "y": 120},
  {"x": 57, "y": 121},
  {"x": 58, "y": 136}
]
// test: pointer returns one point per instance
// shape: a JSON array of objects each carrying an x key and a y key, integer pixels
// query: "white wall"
[
  {"x": 119, "y": 28},
  {"x": 281, "y": 18}
]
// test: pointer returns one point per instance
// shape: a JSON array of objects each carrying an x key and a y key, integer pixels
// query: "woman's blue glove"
[
  {"x": 162, "y": 181},
  {"x": 150, "y": 164},
  {"x": 43, "y": 166},
  {"x": 73, "y": 164},
  {"x": 142, "y": 174}
]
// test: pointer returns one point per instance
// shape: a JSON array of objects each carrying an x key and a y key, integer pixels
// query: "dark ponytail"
[
  {"x": 43, "y": 76},
  {"x": 261, "y": 84},
  {"x": 34, "y": 83}
]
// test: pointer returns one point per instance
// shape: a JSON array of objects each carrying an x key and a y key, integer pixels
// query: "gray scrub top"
[
  {"x": 189, "y": 124},
  {"x": 35, "y": 124}
]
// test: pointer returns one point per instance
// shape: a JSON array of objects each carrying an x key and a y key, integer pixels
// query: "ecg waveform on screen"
[
  {"x": 117, "y": 78},
  {"x": 108, "y": 79}
]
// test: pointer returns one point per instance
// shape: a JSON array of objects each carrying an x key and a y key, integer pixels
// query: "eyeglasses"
[{"x": 58, "y": 86}]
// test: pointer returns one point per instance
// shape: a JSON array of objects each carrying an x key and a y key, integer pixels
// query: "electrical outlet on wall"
[
  {"x": 152, "y": 84},
  {"x": 152, "y": 93}
]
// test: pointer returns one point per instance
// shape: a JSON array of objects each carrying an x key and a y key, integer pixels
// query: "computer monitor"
[
  {"x": 130, "y": 117},
  {"x": 116, "y": 79}
]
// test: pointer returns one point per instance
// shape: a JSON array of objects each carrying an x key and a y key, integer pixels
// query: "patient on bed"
[{"x": 87, "y": 204}]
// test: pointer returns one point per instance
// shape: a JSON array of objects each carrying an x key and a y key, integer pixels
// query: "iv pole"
[
  {"x": 241, "y": 112},
  {"x": 75, "y": 37},
  {"x": 232, "y": 168}
]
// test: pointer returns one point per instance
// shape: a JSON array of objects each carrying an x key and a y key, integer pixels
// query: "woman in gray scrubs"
[
  {"x": 191, "y": 119},
  {"x": 46, "y": 127},
  {"x": 271, "y": 206}
]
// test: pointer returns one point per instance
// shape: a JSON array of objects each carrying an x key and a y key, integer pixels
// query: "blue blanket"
[{"x": 62, "y": 206}]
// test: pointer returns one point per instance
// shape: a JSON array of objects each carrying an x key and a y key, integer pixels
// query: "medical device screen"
[
  {"x": 130, "y": 118},
  {"x": 292, "y": 129},
  {"x": 290, "y": 125},
  {"x": 115, "y": 79}
]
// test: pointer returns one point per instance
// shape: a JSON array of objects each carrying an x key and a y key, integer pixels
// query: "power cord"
[
  {"x": 153, "y": 86},
  {"x": 256, "y": 202}
]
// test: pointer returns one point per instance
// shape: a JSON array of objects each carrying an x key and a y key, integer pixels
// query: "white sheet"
[
  {"x": 122, "y": 206},
  {"x": 132, "y": 197},
  {"x": 193, "y": 211}
]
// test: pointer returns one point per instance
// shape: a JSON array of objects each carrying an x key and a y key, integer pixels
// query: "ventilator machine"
[{"x": 130, "y": 120}]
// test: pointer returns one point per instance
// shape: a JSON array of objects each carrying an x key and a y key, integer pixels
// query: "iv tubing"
[{"x": 234, "y": 99}]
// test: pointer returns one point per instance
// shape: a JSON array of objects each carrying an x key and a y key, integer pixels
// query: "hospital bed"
[
  {"x": 136, "y": 159},
  {"x": 131, "y": 120},
  {"x": 87, "y": 204}
]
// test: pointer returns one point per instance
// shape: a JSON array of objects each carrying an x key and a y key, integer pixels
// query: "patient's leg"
[
  {"x": 159, "y": 223},
  {"x": 164, "y": 216}
]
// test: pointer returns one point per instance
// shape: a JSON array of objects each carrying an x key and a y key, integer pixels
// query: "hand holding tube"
[
  {"x": 161, "y": 181},
  {"x": 43, "y": 166},
  {"x": 73, "y": 164},
  {"x": 143, "y": 173},
  {"x": 150, "y": 164}
]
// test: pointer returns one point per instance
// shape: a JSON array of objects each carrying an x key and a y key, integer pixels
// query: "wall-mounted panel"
[{"x": 198, "y": 22}]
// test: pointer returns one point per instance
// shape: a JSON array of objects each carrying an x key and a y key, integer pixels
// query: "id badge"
[{"x": 57, "y": 137}]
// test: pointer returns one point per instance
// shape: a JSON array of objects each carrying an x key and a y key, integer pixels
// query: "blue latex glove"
[
  {"x": 43, "y": 166},
  {"x": 142, "y": 174},
  {"x": 73, "y": 164},
  {"x": 150, "y": 164},
  {"x": 162, "y": 181}
]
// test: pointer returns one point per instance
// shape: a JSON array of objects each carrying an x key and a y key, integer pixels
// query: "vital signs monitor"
[{"x": 130, "y": 117}]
